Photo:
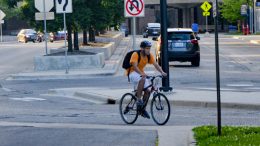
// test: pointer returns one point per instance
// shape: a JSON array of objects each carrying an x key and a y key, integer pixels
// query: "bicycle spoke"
[
  {"x": 160, "y": 109},
  {"x": 128, "y": 109}
]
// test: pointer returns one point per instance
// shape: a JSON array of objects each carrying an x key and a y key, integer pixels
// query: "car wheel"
[{"x": 196, "y": 62}]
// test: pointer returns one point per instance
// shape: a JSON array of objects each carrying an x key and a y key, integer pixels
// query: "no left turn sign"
[{"x": 134, "y": 8}]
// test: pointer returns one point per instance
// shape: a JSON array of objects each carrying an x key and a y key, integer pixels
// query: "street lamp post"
[{"x": 164, "y": 47}]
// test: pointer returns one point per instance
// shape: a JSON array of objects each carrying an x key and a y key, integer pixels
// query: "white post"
[
  {"x": 45, "y": 28},
  {"x": 66, "y": 51},
  {"x": 134, "y": 33}
]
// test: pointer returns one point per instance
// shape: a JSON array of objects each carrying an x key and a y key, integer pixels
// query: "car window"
[
  {"x": 180, "y": 36},
  {"x": 30, "y": 31}
]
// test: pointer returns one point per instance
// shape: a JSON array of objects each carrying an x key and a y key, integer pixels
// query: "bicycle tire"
[
  {"x": 160, "y": 103},
  {"x": 124, "y": 103}
]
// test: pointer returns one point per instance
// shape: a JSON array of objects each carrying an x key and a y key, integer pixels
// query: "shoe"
[{"x": 145, "y": 114}]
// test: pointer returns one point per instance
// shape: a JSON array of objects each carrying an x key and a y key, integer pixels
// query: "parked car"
[
  {"x": 57, "y": 36},
  {"x": 183, "y": 46},
  {"x": 152, "y": 29},
  {"x": 26, "y": 35}
]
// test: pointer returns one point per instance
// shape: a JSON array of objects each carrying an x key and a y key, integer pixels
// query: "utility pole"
[
  {"x": 164, "y": 47},
  {"x": 215, "y": 9}
]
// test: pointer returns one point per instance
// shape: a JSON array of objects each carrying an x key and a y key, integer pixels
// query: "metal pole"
[
  {"x": 206, "y": 24},
  {"x": 217, "y": 71},
  {"x": 45, "y": 28},
  {"x": 66, "y": 51},
  {"x": 248, "y": 16},
  {"x": 134, "y": 33},
  {"x": 1, "y": 30},
  {"x": 254, "y": 17},
  {"x": 164, "y": 47}
]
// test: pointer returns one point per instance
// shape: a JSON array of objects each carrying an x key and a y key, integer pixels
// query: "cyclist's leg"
[
  {"x": 145, "y": 99},
  {"x": 147, "y": 91},
  {"x": 139, "y": 81}
]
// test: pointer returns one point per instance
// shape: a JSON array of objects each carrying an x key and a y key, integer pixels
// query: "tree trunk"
[
  {"x": 97, "y": 33},
  {"x": 103, "y": 31},
  {"x": 85, "y": 37},
  {"x": 91, "y": 34},
  {"x": 76, "y": 41},
  {"x": 69, "y": 39}
]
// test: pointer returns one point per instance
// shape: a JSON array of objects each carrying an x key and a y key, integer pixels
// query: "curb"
[
  {"x": 191, "y": 140},
  {"x": 111, "y": 99},
  {"x": 255, "y": 42},
  {"x": 214, "y": 104},
  {"x": 96, "y": 97}
]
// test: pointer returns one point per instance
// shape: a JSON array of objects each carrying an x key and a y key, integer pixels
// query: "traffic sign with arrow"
[
  {"x": 134, "y": 8},
  {"x": 2, "y": 15}
]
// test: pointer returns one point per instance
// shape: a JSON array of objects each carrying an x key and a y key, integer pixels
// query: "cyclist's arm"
[{"x": 159, "y": 68}]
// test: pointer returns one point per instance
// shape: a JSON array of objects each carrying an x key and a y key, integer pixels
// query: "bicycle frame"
[{"x": 154, "y": 90}]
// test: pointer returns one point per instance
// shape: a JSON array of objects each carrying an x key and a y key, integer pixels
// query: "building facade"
[{"x": 181, "y": 13}]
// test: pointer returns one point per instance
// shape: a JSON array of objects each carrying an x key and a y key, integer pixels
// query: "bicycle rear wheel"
[
  {"x": 160, "y": 109},
  {"x": 128, "y": 109}
]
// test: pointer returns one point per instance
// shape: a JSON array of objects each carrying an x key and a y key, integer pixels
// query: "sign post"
[
  {"x": 63, "y": 7},
  {"x": 134, "y": 8},
  {"x": 2, "y": 15},
  {"x": 215, "y": 11},
  {"x": 44, "y": 6},
  {"x": 206, "y": 7}
]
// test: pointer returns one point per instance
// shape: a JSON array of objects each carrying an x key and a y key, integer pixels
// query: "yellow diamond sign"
[{"x": 205, "y": 6}]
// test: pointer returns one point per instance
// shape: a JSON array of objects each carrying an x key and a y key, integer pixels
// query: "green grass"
[{"x": 231, "y": 136}]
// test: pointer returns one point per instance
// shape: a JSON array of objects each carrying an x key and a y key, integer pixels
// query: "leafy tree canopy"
[{"x": 230, "y": 9}]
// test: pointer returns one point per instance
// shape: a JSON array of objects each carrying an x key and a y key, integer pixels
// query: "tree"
[
  {"x": 9, "y": 7},
  {"x": 95, "y": 15},
  {"x": 106, "y": 13},
  {"x": 230, "y": 9}
]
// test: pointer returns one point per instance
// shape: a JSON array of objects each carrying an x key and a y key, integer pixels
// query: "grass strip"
[{"x": 230, "y": 136}]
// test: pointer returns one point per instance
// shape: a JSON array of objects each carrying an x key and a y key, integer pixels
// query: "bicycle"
[{"x": 159, "y": 107}]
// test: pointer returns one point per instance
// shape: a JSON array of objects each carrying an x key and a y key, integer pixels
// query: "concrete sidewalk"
[{"x": 254, "y": 39}]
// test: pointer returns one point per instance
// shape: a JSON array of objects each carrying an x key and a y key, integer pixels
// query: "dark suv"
[
  {"x": 152, "y": 29},
  {"x": 183, "y": 46}
]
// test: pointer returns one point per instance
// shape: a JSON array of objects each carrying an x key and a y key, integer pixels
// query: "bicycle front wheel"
[
  {"x": 128, "y": 108},
  {"x": 160, "y": 109}
]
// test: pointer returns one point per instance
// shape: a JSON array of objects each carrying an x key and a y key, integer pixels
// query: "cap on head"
[{"x": 145, "y": 44}]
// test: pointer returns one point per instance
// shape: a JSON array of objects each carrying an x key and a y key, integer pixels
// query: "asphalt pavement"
[{"x": 167, "y": 135}]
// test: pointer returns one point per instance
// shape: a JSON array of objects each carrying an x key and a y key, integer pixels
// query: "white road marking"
[{"x": 28, "y": 99}]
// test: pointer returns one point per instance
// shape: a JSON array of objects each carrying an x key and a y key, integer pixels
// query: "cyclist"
[{"x": 137, "y": 75}]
